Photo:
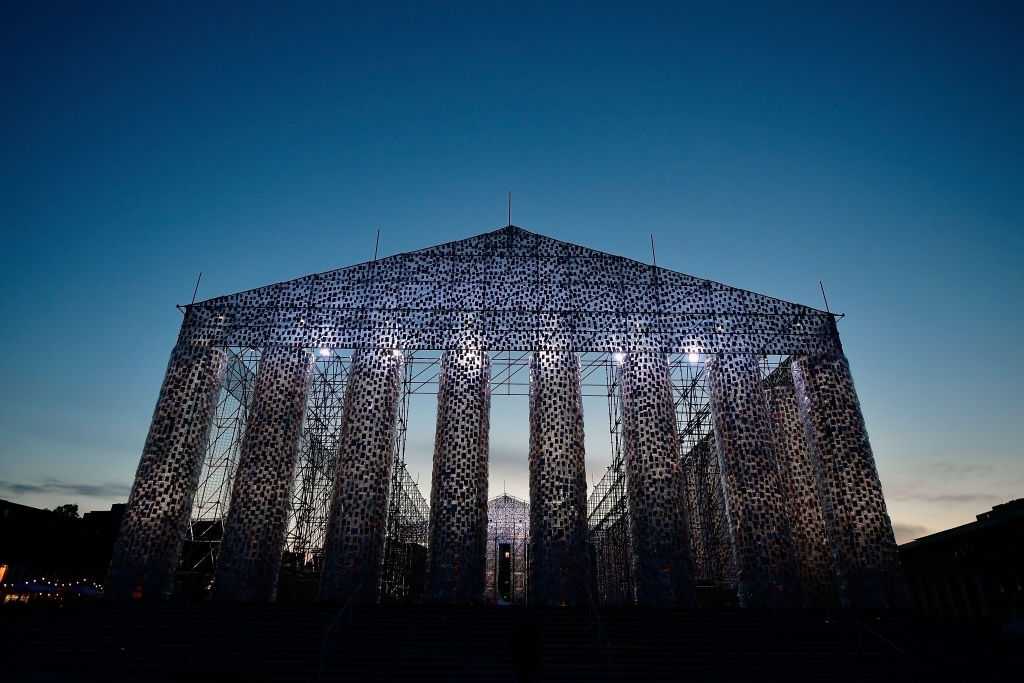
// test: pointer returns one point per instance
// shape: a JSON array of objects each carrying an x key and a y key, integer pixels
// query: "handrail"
[
  {"x": 603, "y": 642},
  {"x": 873, "y": 632},
  {"x": 836, "y": 607},
  {"x": 323, "y": 643}
]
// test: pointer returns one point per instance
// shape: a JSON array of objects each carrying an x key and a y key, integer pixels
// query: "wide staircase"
[{"x": 125, "y": 641}]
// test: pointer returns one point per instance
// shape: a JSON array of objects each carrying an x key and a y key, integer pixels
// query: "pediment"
[{"x": 509, "y": 289}]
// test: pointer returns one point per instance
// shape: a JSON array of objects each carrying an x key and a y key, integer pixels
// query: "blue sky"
[{"x": 768, "y": 146}]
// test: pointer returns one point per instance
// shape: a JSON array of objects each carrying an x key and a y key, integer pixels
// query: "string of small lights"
[{"x": 53, "y": 583}]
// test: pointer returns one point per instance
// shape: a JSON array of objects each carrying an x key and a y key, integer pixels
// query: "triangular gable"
[{"x": 509, "y": 290}]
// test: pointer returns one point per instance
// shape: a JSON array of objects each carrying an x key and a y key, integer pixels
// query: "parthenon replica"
[{"x": 740, "y": 458}]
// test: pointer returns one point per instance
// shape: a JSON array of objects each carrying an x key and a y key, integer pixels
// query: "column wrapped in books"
[
  {"x": 457, "y": 546},
  {"x": 864, "y": 553},
  {"x": 559, "y": 568},
  {"x": 156, "y": 518},
  {"x": 354, "y": 544},
  {"x": 250, "y": 554},
  {"x": 662, "y": 567},
  {"x": 755, "y": 503}
]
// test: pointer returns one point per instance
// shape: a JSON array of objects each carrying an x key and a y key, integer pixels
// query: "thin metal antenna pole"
[
  {"x": 196, "y": 290},
  {"x": 376, "y": 244},
  {"x": 654, "y": 259},
  {"x": 824, "y": 297}
]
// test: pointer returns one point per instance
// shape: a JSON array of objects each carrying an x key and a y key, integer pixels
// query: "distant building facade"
[
  {"x": 35, "y": 543},
  {"x": 974, "y": 571}
]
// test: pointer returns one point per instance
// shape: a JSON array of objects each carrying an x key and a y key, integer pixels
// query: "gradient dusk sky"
[{"x": 876, "y": 147}]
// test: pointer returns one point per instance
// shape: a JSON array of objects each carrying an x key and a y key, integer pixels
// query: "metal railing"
[
  {"x": 604, "y": 644},
  {"x": 347, "y": 607}
]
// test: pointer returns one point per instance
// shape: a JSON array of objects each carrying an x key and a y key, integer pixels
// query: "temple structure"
[{"x": 283, "y": 413}]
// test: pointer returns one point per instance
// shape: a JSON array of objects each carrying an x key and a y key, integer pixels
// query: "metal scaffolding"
[
  {"x": 710, "y": 545},
  {"x": 213, "y": 497},
  {"x": 607, "y": 511},
  {"x": 405, "y": 549},
  {"x": 311, "y": 491},
  {"x": 607, "y": 508},
  {"x": 314, "y": 480},
  {"x": 510, "y": 293}
]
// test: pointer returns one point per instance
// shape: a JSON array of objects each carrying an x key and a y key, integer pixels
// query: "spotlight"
[
  {"x": 619, "y": 356},
  {"x": 693, "y": 357},
  {"x": 325, "y": 352}
]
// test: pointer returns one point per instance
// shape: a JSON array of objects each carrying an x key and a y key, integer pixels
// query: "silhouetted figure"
[{"x": 524, "y": 650}]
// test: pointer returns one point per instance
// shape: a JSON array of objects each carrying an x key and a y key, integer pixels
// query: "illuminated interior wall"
[{"x": 508, "y": 522}]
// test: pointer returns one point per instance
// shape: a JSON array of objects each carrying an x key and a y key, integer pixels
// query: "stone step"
[{"x": 424, "y": 643}]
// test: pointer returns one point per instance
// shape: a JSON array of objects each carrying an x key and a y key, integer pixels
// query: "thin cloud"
[
  {"x": 502, "y": 455},
  {"x": 957, "y": 497},
  {"x": 955, "y": 469},
  {"x": 52, "y": 485},
  {"x": 908, "y": 532},
  {"x": 922, "y": 494}
]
